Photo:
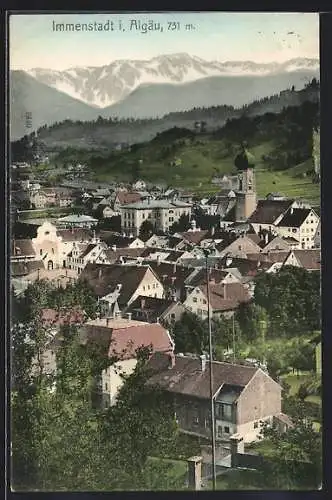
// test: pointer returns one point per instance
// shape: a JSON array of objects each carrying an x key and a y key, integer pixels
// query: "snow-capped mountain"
[{"x": 106, "y": 85}]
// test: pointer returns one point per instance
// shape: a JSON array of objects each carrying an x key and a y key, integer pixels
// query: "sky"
[{"x": 259, "y": 37}]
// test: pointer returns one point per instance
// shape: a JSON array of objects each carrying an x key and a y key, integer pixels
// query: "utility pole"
[
  {"x": 233, "y": 339},
  {"x": 213, "y": 430}
]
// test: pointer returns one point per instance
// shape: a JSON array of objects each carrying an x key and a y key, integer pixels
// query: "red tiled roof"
[
  {"x": 62, "y": 317},
  {"x": 125, "y": 198},
  {"x": 194, "y": 236},
  {"x": 124, "y": 342}
]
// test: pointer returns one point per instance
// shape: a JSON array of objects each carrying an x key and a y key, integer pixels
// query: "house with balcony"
[{"x": 243, "y": 396}]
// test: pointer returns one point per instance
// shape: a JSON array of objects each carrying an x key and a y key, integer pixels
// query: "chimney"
[
  {"x": 203, "y": 362},
  {"x": 158, "y": 259},
  {"x": 212, "y": 230},
  {"x": 195, "y": 473},
  {"x": 174, "y": 267},
  {"x": 108, "y": 322},
  {"x": 171, "y": 359},
  {"x": 114, "y": 248},
  {"x": 142, "y": 302},
  {"x": 129, "y": 316},
  {"x": 237, "y": 447},
  {"x": 99, "y": 273},
  {"x": 224, "y": 291}
]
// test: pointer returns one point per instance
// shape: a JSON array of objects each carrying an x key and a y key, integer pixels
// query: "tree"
[
  {"x": 253, "y": 320},
  {"x": 146, "y": 229},
  {"x": 297, "y": 454},
  {"x": 181, "y": 225},
  {"x": 190, "y": 334}
]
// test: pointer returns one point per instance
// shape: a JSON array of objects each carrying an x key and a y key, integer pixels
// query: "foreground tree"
[{"x": 297, "y": 453}]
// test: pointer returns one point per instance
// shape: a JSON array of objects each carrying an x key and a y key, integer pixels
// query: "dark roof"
[
  {"x": 133, "y": 253},
  {"x": 194, "y": 236},
  {"x": 295, "y": 217},
  {"x": 166, "y": 271},
  {"x": 25, "y": 268},
  {"x": 104, "y": 279},
  {"x": 116, "y": 239},
  {"x": 248, "y": 267},
  {"x": 187, "y": 378},
  {"x": 22, "y": 248},
  {"x": 199, "y": 278},
  {"x": 267, "y": 211},
  {"x": 230, "y": 216},
  {"x": 87, "y": 250},
  {"x": 151, "y": 304},
  {"x": 270, "y": 256}
]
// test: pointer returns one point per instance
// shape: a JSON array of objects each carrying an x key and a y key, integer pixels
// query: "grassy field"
[
  {"x": 200, "y": 161},
  {"x": 177, "y": 470}
]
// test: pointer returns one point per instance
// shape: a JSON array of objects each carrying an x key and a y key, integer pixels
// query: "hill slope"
[
  {"x": 46, "y": 104},
  {"x": 157, "y": 100}
]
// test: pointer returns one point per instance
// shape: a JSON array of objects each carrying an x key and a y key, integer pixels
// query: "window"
[
  {"x": 195, "y": 417},
  {"x": 171, "y": 219},
  {"x": 194, "y": 299},
  {"x": 106, "y": 386},
  {"x": 240, "y": 247},
  {"x": 255, "y": 425},
  {"x": 224, "y": 411},
  {"x": 41, "y": 251},
  {"x": 204, "y": 301},
  {"x": 293, "y": 230},
  {"x": 46, "y": 233},
  {"x": 52, "y": 250},
  {"x": 144, "y": 287},
  {"x": 171, "y": 211},
  {"x": 148, "y": 287},
  {"x": 154, "y": 285},
  {"x": 219, "y": 431},
  {"x": 226, "y": 429}
]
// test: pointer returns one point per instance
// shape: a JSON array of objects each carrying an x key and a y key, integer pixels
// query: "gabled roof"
[
  {"x": 268, "y": 211},
  {"x": 187, "y": 377},
  {"x": 226, "y": 297},
  {"x": 166, "y": 271},
  {"x": 199, "y": 278},
  {"x": 271, "y": 257},
  {"x": 309, "y": 259},
  {"x": 194, "y": 236},
  {"x": 104, "y": 279},
  {"x": 123, "y": 341},
  {"x": 294, "y": 217},
  {"x": 62, "y": 317},
  {"x": 151, "y": 304},
  {"x": 124, "y": 252},
  {"x": 125, "y": 198},
  {"x": 116, "y": 239}
]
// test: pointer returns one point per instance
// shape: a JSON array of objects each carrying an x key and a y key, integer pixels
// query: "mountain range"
[{"x": 133, "y": 88}]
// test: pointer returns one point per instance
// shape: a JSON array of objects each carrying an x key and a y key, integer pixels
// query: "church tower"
[{"x": 246, "y": 197}]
